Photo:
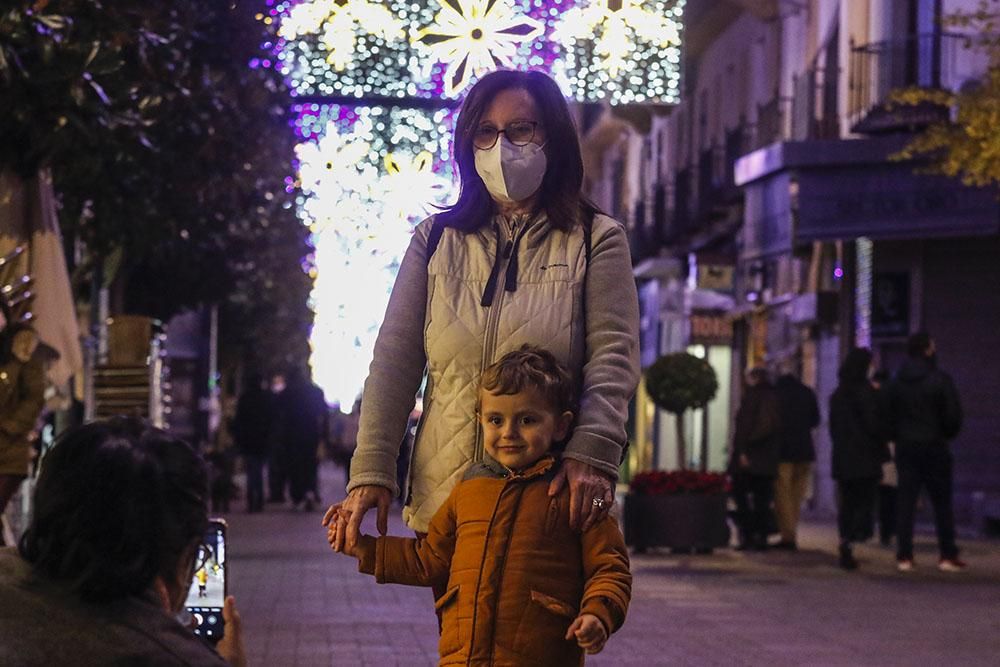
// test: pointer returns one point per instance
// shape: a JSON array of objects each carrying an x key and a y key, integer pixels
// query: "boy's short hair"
[{"x": 531, "y": 367}]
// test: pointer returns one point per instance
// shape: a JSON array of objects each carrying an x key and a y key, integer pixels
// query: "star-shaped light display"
[
  {"x": 617, "y": 25},
  {"x": 339, "y": 22},
  {"x": 474, "y": 37}
]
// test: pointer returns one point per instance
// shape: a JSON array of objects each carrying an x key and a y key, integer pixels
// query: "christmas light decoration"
[
  {"x": 621, "y": 50},
  {"x": 474, "y": 37},
  {"x": 619, "y": 24},
  {"x": 340, "y": 21},
  {"x": 367, "y": 175}
]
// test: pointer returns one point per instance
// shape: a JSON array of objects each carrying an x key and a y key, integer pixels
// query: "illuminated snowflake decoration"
[
  {"x": 339, "y": 22},
  {"x": 368, "y": 175},
  {"x": 618, "y": 25},
  {"x": 474, "y": 37}
]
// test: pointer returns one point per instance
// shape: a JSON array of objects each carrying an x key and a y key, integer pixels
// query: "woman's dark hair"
[
  {"x": 117, "y": 503},
  {"x": 560, "y": 194},
  {"x": 854, "y": 370}
]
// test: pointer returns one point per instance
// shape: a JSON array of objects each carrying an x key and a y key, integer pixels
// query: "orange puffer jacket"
[{"x": 517, "y": 576}]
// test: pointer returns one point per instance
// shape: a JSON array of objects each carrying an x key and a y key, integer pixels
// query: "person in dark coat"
[
  {"x": 303, "y": 414},
  {"x": 799, "y": 416},
  {"x": 754, "y": 461},
  {"x": 925, "y": 414},
  {"x": 858, "y": 432},
  {"x": 251, "y": 429}
]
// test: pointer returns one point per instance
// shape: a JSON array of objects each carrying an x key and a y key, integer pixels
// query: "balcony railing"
[
  {"x": 876, "y": 70},
  {"x": 814, "y": 105}
]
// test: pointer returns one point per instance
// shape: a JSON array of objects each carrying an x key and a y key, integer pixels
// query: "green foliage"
[
  {"x": 166, "y": 149},
  {"x": 968, "y": 147},
  {"x": 680, "y": 381}
]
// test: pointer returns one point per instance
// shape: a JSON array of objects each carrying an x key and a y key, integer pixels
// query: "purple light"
[{"x": 838, "y": 273}]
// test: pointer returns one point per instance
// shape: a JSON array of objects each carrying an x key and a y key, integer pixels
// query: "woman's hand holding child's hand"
[
  {"x": 589, "y": 632},
  {"x": 336, "y": 522}
]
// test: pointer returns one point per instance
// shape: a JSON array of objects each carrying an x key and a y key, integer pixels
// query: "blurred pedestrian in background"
[
  {"x": 925, "y": 415},
  {"x": 103, "y": 571},
  {"x": 22, "y": 387},
  {"x": 302, "y": 415},
  {"x": 887, "y": 511},
  {"x": 277, "y": 461},
  {"x": 251, "y": 428},
  {"x": 799, "y": 416},
  {"x": 858, "y": 429},
  {"x": 754, "y": 460}
]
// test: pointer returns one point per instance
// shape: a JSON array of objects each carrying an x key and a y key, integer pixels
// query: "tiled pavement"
[{"x": 304, "y": 605}]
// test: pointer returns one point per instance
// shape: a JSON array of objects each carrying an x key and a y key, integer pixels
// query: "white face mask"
[{"x": 511, "y": 173}]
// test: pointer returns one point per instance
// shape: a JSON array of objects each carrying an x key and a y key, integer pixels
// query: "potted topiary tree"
[
  {"x": 683, "y": 510},
  {"x": 679, "y": 382}
]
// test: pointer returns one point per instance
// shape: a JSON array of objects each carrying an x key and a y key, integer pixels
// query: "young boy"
[{"x": 522, "y": 587}]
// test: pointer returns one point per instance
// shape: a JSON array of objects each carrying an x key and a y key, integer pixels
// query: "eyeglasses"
[{"x": 519, "y": 133}]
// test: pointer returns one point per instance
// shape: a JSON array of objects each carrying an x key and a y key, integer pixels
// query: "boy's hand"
[
  {"x": 335, "y": 533},
  {"x": 589, "y": 632}
]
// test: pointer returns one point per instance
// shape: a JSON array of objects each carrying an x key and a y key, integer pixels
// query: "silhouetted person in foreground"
[
  {"x": 858, "y": 432},
  {"x": 925, "y": 414}
]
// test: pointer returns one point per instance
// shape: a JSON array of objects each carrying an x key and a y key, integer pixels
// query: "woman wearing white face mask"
[{"x": 521, "y": 257}]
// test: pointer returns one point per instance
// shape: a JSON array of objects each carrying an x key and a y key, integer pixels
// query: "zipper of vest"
[{"x": 493, "y": 318}]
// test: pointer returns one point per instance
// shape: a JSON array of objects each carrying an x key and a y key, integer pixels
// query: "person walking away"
[
  {"x": 754, "y": 461},
  {"x": 926, "y": 414},
  {"x": 858, "y": 433},
  {"x": 546, "y": 593},
  {"x": 303, "y": 415},
  {"x": 251, "y": 429},
  {"x": 799, "y": 413},
  {"x": 22, "y": 389}
]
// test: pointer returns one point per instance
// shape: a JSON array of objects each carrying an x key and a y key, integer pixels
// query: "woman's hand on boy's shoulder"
[
  {"x": 591, "y": 492},
  {"x": 589, "y": 632}
]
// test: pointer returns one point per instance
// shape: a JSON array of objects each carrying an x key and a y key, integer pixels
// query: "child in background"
[{"x": 522, "y": 587}]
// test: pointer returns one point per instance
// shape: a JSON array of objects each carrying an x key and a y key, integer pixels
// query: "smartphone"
[{"x": 208, "y": 586}]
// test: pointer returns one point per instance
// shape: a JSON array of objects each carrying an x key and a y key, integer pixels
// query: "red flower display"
[{"x": 663, "y": 483}]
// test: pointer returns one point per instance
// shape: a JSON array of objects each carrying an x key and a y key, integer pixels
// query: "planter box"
[{"x": 682, "y": 522}]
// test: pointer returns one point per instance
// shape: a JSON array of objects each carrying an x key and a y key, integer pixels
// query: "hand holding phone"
[{"x": 209, "y": 587}]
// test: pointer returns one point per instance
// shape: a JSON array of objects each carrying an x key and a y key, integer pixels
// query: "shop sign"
[
  {"x": 710, "y": 328},
  {"x": 718, "y": 277}
]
